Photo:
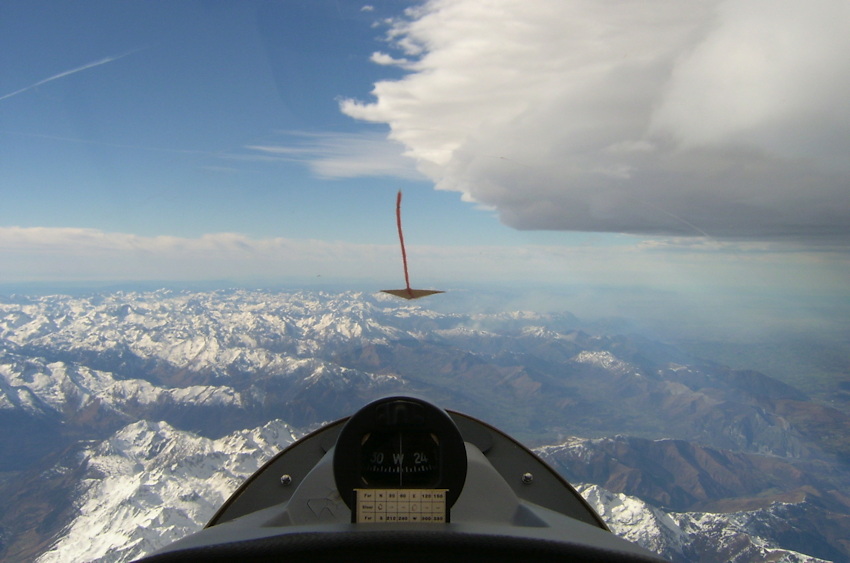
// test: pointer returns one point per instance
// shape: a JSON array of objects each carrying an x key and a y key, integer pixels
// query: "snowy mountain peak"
[
  {"x": 150, "y": 484},
  {"x": 607, "y": 361},
  {"x": 686, "y": 537}
]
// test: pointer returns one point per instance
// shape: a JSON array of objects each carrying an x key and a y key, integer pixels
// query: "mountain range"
[{"x": 129, "y": 416}]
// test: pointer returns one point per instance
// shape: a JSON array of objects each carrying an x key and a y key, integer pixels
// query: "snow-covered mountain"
[
  {"x": 737, "y": 506},
  {"x": 93, "y": 383},
  {"x": 149, "y": 484},
  {"x": 61, "y": 389},
  {"x": 692, "y": 536}
]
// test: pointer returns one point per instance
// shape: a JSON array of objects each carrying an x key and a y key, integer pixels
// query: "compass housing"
[{"x": 400, "y": 443}]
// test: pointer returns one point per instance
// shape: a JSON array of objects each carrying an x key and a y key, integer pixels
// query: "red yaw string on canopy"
[
  {"x": 407, "y": 292},
  {"x": 401, "y": 240}
]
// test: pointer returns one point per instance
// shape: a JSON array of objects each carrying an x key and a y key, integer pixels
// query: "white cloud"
[
  {"x": 340, "y": 155},
  {"x": 76, "y": 254},
  {"x": 771, "y": 74},
  {"x": 388, "y": 60},
  {"x": 42, "y": 253},
  {"x": 727, "y": 118}
]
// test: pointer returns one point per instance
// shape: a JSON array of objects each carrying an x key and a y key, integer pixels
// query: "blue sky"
[
  {"x": 154, "y": 141},
  {"x": 696, "y": 148}
]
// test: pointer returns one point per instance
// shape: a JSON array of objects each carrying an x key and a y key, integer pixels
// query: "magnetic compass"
[
  {"x": 400, "y": 459},
  {"x": 400, "y": 443}
]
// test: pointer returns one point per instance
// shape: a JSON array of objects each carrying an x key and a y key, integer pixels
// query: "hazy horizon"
[{"x": 586, "y": 146}]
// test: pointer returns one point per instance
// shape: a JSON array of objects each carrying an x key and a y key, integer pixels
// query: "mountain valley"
[{"x": 141, "y": 411}]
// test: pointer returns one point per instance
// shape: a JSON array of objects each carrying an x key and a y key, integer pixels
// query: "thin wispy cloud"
[
  {"x": 339, "y": 155},
  {"x": 99, "y": 62},
  {"x": 36, "y": 253}
]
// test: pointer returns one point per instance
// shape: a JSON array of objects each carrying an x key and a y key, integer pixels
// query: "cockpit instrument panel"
[{"x": 400, "y": 459}]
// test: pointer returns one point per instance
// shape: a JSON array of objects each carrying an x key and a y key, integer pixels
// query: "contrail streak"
[{"x": 67, "y": 73}]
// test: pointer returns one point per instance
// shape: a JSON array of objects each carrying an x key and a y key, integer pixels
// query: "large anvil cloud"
[{"x": 726, "y": 119}]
